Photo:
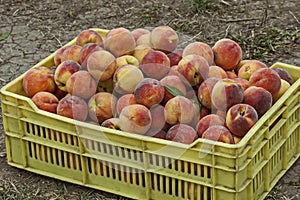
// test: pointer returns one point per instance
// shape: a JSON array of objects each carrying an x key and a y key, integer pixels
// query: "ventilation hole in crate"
[
  {"x": 29, "y": 149},
  {"x": 257, "y": 183}
]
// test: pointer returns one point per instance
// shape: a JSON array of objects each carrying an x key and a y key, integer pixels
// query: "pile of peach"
[{"x": 141, "y": 82}]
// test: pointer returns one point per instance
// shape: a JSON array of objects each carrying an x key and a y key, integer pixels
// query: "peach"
[
  {"x": 112, "y": 123},
  {"x": 259, "y": 98},
  {"x": 201, "y": 49},
  {"x": 236, "y": 139},
  {"x": 105, "y": 86},
  {"x": 284, "y": 74},
  {"x": 182, "y": 133},
  {"x": 159, "y": 134},
  {"x": 173, "y": 86},
  {"x": 144, "y": 40},
  {"x": 72, "y": 53},
  {"x": 205, "y": 91},
  {"x": 119, "y": 41},
  {"x": 216, "y": 71},
  {"x": 158, "y": 116},
  {"x": 266, "y": 78},
  {"x": 127, "y": 59},
  {"x": 123, "y": 101},
  {"x": 64, "y": 71},
  {"x": 179, "y": 110},
  {"x": 175, "y": 56},
  {"x": 101, "y": 106},
  {"x": 101, "y": 65},
  {"x": 135, "y": 118},
  {"x": 73, "y": 107},
  {"x": 38, "y": 79},
  {"x": 218, "y": 133},
  {"x": 89, "y": 36},
  {"x": 60, "y": 93},
  {"x": 240, "y": 118},
  {"x": 58, "y": 55},
  {"x": 226, "y": 93},
  {"x": 81, "y": 84},
  {"x": 140, "y": 51},
  {"x": 139, "y": 32},
  {"x": 248, "y": 67},
  {"x": 231, "y": 74},
  {"x": 194, "y": 69},
  {"x": 204, "y": 111},
  {"x": 155, "y": 64},
  {"x": 126, "y": 78},
  {"x": 244, "y": 83},
  {"x": 283, "y": 88},
  {"x": 45, "y": 101},
  {"x": 85, "y": 51},
  {"x": 164, "y": 38},
  {"x": 227, "y": 54},
  {"x": 207, "y": 121},
  {"x": 149, "y": 92}
]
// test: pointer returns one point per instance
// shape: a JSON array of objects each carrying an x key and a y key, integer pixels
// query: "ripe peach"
[
  {"x": 159, "y": 134},
  {"x": 266, "y": 78},
  {"x": 71, "y": 53},
  {"x": 149, "y": 92},
  {"x": 158, "y": 116},
  {"x": 127, "y": 59},
  {"x": 101, "y": 106},
  {"x": 179, "y": 110},
  {"x": 175, "y": 56},
  {"x": 245, "y": 83},
  {"x": 194, "y": 68},
  {"x": 64, "y": 71},
  {"x": 182, "y": 133},
  {"x": 236, "y": 139},
  {"x": 201, "y": 49},
  {"x": 204, "y": 111},
  {"x": 140, "y": 51},
  {"x": 231, "y": 74},
  {"x": 226, "y": 93},
  {"x": 101, "y": 65},
  {"x": 85, "y": 51},
  {"x": 89, "y": 36},
  {"x": 164, "y": 38},
  {"x": 123, "y": 101},
  {"x": 126, "y": 78},
  {"x": 218, "y": 133},
  {"x": 58, "y": 55},
  {"x": 155, "y": 64},
  {"x": 139, "y": 32},
  {"x": 259, "y": 98},
  {"x": 38, "y": 79},
  {"x": 216, "y": 71},
  {"x": 119, "y": 41},
  {"x": 240, "y": 118},
  {"x": 205, "y": 91},
  {"x": 45, "y": 101},
  {"x": 283, "y": 88},
  {"x": 112, "y": 123},
  {"x": 81, "y": 84},
  {"x": 135, "y": 118},
  {"x": 248, "y": 67},
  {"x": 144, "y": 40},
  {"x": 207, "y": 121},
  {"x": 60, "y": 93},
  {"x": 173, "y": 84},
  {"x": 227, "y": 53},
  {"x": 285, "y": 75},
  {"x": 73, "y": 107}
]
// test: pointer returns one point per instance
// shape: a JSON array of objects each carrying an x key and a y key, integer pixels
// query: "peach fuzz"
[
  {"x": 248, "y": 67},
  {"x": 182, "y": 133},
  {"x": 38, "y": 79},
  {"x": 81, "y": 84},
  {"x": 205, "y": 91},
  {"x": 267, "y": 79},
  {"x": 259, "y": 98},
  {"x": 135, "y": 118},
  {"x": 89, "y": 36},
  {"x": 85, "y": 51},
  {"x": 73, "y": 107},
  {"x": 218, "y": 133},
  {"x": 45, "y": 101},
  {"x": 216, "y": 71},
  {"x": 155, "y": 64},
  {"x": 72, "y": 53},
  {"x": 179, "y": 110},
  {"x": 126, "y": 78},
  {"x": 240, "y": 118},
  {"x": 119, "y": 41},
  {"x": 201, "y": 49},
  {"x": 64, "y": 71},
  {"x": 207, "y": 121},
  {"x": 173, "y": 84},
  {"x": 101, "y": 106},
  {"x": 227, "y": 54},
  {"x": 164, "y": 38},
  {"x": 123, "y": 101},
  {"x": 101, "y": 65}
]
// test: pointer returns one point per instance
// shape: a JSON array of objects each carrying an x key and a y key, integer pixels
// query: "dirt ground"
[{"x": 267, "y": 30}]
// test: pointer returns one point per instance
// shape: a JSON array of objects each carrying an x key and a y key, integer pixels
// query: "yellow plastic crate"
[{"x": 142, "y": 167}]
